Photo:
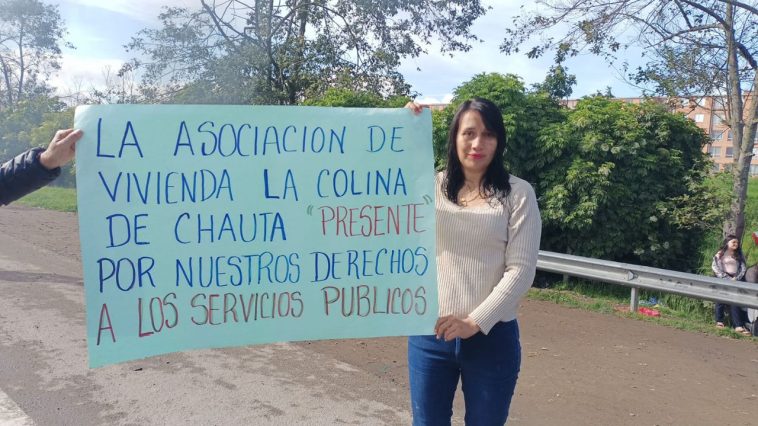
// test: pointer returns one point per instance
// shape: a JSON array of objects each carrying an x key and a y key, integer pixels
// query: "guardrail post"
[{"x": 635, "y": 302}]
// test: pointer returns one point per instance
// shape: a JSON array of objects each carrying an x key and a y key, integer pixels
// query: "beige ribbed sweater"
[{"x": 487, "y": 255}]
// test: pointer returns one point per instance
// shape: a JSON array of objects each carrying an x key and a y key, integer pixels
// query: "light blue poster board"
[{"x": 216, "y": 226}]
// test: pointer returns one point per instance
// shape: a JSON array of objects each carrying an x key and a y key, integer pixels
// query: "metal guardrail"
[{"x": 637, "y": 277}]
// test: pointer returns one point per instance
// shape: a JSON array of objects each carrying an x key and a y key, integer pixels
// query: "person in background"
[
  {"x": 37, "y": 167},
  {"x": 729, "y": 263},
  {"x": 488, "y": 236}
]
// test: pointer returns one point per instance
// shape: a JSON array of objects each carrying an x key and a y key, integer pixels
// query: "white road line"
[{"x": 11, "y": 414}]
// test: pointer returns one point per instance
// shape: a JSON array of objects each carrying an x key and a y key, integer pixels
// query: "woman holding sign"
[{"x": 488, "y": 233}]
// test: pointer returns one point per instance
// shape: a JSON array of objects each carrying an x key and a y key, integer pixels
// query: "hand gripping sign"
[{"x": 215, "y": 226}]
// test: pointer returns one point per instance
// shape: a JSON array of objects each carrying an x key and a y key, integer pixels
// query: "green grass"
[
  {"x": 620, "y": 307},
  {"x": 51, "y": 198}
]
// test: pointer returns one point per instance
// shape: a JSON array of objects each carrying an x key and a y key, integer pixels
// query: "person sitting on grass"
[{"x": 729, "y": 262}]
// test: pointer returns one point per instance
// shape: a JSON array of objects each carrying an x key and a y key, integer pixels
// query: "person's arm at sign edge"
[{"x": 37, "y": 167}]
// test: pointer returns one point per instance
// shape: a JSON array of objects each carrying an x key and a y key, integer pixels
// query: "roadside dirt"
[{"x": 579, "y": 368}]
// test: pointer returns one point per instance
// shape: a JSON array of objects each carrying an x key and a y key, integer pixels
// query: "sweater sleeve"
[
  {"x": 524, "y": 230},
  {"x": 741, "y": 272}
]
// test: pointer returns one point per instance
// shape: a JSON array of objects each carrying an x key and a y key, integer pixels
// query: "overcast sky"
[{"x": 100, "y": 28}]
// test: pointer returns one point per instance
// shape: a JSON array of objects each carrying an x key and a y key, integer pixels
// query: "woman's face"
[
  {"x": 475, "y": 144},
  {"x": 733, "y": 244}
]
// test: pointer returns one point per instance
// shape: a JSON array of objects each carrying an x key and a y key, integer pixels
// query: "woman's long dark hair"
[
  {"x": 495, "y": 182},
  {"x": 725, "y": 246}
]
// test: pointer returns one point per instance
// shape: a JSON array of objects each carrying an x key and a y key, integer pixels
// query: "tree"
[
  {"x": 118, "y": 88},
  {"x": 30, "y": 37},
  {"x": 340, "y": 97},
  {"x": 17, "y": 124},
  {"x": 693, "y": 48},
  {"x": 282, "y": 52},
  {"x": 558, "y": 83}
]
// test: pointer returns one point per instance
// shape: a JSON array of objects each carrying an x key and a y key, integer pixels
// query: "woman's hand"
[
  {"x": 450, "y": 327},
  {"x": 413, "y": 106}
]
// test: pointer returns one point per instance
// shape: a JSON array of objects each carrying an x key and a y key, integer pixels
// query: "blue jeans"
[{"x": 488, "y": 366}]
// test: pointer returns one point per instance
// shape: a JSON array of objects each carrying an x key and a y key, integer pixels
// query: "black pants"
[{"x": 737, "y": 315}]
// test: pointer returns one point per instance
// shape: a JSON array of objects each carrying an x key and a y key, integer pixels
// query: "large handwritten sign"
[{"x": 214, "y": 226}]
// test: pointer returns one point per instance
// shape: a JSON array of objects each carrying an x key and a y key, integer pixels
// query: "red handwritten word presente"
[{"x": 370, "y": 220}]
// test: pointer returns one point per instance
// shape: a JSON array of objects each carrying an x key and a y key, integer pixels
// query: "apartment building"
[{"x": 709, "y": 113}]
